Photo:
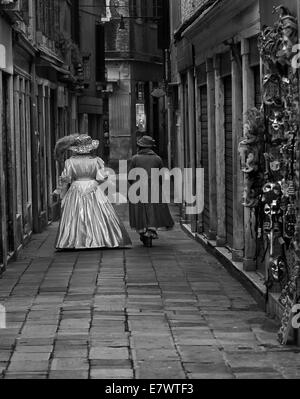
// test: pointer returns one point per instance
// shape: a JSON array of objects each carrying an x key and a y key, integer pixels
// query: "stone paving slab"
[{"x": 171, "y": 311}]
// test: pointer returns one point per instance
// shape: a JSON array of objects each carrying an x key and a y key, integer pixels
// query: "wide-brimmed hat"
[
  {"x": 84, "y": 144},
  {"x": 146, "y": 142}
]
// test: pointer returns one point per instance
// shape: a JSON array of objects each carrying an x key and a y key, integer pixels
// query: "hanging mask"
[
  {"x": 289, "y": 228},
  {"x": 278, "y": 268},
  {"x": 249, "y": 157},
  {"x": 267, "y": 209},
  {"x": 272, "y": 191},
  {"x": 272, "y": 92},
  {"x": 274, "y": 207},
  {"x": 289, "y": 29},
  {"x": 277, "y": 125},
  {"x": 275, "y": 166},
  {"x": 291, "y": 189}
]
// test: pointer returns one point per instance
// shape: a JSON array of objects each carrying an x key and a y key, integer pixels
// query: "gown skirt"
[{"x": 89, "y": 220}]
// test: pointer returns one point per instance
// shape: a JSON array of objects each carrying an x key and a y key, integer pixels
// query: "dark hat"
[{"x": 146, "y": 141}]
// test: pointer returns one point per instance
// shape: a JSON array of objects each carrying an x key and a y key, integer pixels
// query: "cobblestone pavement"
[{"x": 167, "y": 312}]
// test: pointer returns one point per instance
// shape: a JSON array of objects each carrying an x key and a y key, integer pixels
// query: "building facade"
[
  {"x": 92, "y": 107},
  {"x": 40, "y": 86},
  {"x": 134, "y": 68},
  {"x": 217, "y": 77}
]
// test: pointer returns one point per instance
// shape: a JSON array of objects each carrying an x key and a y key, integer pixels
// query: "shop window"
[{"x": 47, "y": 12}]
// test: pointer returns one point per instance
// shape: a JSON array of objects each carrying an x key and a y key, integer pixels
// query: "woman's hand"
[{"x": 56, "y": 195}]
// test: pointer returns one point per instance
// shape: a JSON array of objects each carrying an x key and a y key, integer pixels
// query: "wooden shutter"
[
  {"x": 204, "y": 154},
  {"x": 228, "y": 159}
]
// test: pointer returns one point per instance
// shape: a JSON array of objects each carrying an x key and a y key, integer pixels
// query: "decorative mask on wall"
[
  {"x": 271, "y": 159},
  {"x": 277, "y": 127},
  {"x": 289, "y": 27}
]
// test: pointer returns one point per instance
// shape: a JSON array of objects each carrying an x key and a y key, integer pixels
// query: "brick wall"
[{"x": 188, "y": 7}]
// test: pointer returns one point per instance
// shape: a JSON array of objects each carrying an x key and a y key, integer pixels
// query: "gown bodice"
[{"x": 84, "y": 168}]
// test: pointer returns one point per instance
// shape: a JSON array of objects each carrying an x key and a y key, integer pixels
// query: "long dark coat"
[{"x": 142, "y": 215}]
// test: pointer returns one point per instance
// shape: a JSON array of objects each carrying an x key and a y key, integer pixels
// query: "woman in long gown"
[
  {"x": 88, "y": 218},
  {"x": 147, "y": 218}
]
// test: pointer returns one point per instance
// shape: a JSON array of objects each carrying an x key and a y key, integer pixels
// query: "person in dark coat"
[{"x": 147, "y": 218}]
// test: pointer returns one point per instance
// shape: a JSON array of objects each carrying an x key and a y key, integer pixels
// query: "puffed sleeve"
[
  {"x": 101, "y": 174},
  {"x": 64, "y": 180}
]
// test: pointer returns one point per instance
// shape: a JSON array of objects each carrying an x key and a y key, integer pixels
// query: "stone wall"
[{"x": 188, "y": 7}]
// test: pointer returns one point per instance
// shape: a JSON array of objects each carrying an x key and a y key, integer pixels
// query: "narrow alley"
[{"x": 171, "y": 311}]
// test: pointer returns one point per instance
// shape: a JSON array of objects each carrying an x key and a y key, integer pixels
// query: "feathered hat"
[
  {"x": 64, "y": 145},
  {"x": 77, "y": 143},
  {"x": 84, "y": 144}
]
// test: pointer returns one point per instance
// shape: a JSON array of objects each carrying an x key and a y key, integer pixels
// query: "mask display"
[{"x": 270, "y": 154}]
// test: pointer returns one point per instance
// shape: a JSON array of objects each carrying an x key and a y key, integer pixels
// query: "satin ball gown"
[{"x": 88, "y": 218}]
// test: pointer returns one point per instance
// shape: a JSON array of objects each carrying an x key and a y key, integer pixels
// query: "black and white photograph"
[{"x": 149, "y": 193}]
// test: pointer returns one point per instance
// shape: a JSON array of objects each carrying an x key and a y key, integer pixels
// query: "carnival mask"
[
  {"x": 272, "y": 92},
  {"x": 277, "y": 127},
  {"x": 289, "y": 29},
  {"x": 278, "y": 268},
  {"x": 271, "y": 193}
]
